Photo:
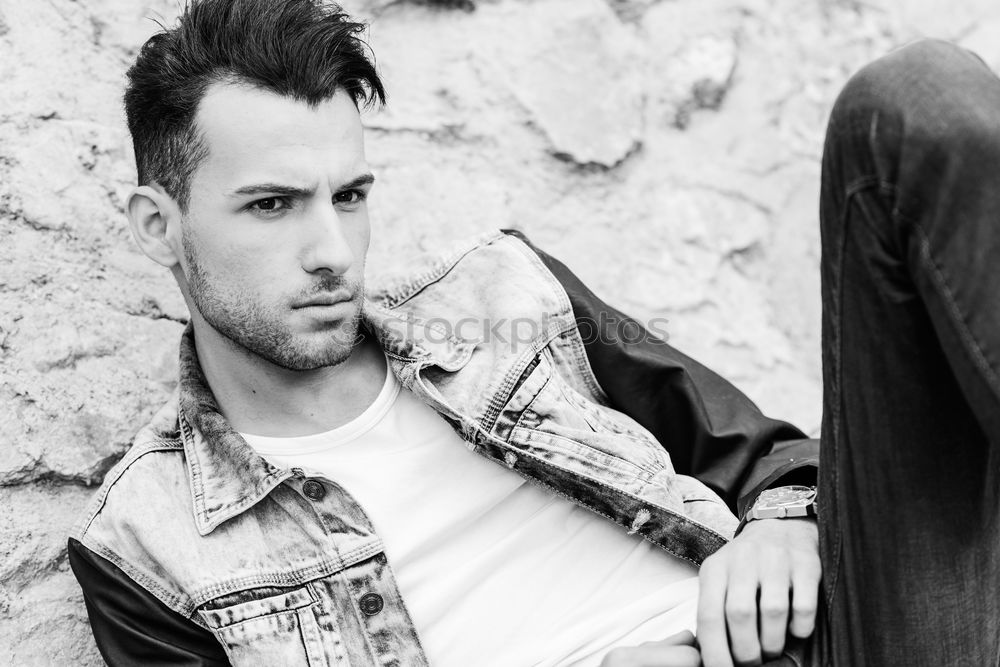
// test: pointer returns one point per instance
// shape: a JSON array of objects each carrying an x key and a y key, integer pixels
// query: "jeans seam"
[
  {"x": 961, "y": 323},
  {"x": 851, "y": 191}
]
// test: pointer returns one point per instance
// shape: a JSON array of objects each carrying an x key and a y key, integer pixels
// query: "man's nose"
[{"x": 327, "y": 248}]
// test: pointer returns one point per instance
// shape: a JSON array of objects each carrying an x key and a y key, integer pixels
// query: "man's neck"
[{"x": 258, "y": 397}]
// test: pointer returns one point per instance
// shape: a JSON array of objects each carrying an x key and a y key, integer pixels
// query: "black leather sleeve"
[
  {"x": 712, "y": 430},
  {"x": 131, "y": 626}
]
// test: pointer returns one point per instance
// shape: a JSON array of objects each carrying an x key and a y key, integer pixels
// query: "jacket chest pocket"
[{"x": 269, "y": 628}]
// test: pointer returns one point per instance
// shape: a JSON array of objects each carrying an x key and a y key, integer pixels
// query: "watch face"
[{"x": 787, "y": 495}]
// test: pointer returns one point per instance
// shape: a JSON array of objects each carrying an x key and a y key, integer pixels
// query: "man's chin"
[
  {"x": 299, "y": 359},
  {"x": 293, "y": 345},
  {"x": 315, "y": 350}
]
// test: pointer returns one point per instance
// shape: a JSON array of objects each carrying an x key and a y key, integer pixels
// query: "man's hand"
[
  {"x": 746, "y": 586},
  {"x": 674, "y": 651}
]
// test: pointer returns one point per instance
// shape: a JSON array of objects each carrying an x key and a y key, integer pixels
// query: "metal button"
[
  {"x": 313, "y": 489},
  {"x": 371, "y": 604}
]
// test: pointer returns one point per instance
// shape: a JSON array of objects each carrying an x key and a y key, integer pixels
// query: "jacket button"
[
  {"x": 371, "y": 604},
  {"x": 313, "y": 490}
]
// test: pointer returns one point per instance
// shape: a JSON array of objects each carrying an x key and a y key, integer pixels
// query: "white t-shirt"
[{"x": 495, "y": 570}]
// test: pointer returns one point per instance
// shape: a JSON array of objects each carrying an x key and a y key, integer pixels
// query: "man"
[
  {"x": 312, "y": 474},
  {"x": 310, "y": 498}
]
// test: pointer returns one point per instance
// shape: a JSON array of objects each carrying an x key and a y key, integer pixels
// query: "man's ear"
[{"x": 155, "y": 219}]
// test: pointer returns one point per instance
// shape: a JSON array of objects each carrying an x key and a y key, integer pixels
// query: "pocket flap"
[{"x": 220, "y": 617}]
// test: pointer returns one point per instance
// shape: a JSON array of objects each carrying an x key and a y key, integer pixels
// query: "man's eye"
[
  {"x": 350, "y": 197},
  {"x": 269, "y": 205}
]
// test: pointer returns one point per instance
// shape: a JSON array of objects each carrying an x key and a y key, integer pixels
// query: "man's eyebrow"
[
  {"x": 364, "y": 179},
  {"x": 282, "y": 190},
  {"x": 271, "y": 189}
]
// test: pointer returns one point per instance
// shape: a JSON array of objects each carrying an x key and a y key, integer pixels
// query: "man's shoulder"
[
  {"x": 143, "y": 508},
  {"x": 469, "y": 255},
  {"x": 151, "y": 474},
  {"x": 493, "y": 274}
]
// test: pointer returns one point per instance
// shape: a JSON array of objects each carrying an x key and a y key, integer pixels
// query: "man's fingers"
[
  {"x": 741, "y": 614},
  {"x": 756, "y": 590},
  {"x": 648, "y": 656},
  {"x": 683, "y": 638},
  {"x": 675, "y": 651},
  {"x": 805, "y": 596},
  {"x": 712, "y": 637},
  {"x": 774, "y": 595}
]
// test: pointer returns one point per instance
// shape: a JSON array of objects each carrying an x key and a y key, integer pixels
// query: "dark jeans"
[{"x": 908, "y": 493}]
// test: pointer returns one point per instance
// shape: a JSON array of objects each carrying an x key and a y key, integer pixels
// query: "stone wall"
[{"x": 666, "y": 150}]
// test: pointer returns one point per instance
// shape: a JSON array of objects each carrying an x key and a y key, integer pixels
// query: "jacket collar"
[{"x": 227, "y": 476}]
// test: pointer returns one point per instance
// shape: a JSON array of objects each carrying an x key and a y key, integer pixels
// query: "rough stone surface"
[
  {"x": 573, "y": 76},
  {"x": 44, "y": 617},
  {"x": 667, "y": 150}
]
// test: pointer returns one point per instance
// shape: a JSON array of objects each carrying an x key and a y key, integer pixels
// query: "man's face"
[{"x": 277, "y": 228}]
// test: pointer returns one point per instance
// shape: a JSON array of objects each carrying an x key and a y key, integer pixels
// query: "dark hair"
[{"x": 303, "y": 49}]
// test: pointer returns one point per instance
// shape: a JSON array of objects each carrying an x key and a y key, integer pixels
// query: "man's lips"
[{"x": 324, "y": 299}]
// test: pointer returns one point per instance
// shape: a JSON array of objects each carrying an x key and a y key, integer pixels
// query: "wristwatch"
[{"x": 784, "y": 502}]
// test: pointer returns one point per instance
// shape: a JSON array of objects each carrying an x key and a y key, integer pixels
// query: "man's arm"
[
  {"x": 765, "y": 583},
  {"x": 131, "y": 626},
  {"x": 711, "y": 429}
]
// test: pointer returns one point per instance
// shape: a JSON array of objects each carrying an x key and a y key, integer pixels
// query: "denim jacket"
[{"x": 283, "y": 567}]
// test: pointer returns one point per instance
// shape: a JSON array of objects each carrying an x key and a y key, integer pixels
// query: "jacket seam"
[
  {"x": 171, "y": 600},
  {"x": 300, "y": 577},
  {"x": 187, "y": 605},
  {"x": 134, "y": 454},
  {"x": 443, "y": 265}
]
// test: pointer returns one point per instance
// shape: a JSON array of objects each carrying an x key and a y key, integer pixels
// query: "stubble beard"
[{"x": 239, "y": 316}]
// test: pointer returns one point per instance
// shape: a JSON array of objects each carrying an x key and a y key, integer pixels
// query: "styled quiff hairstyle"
[{"x": 303, "y": 49}]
